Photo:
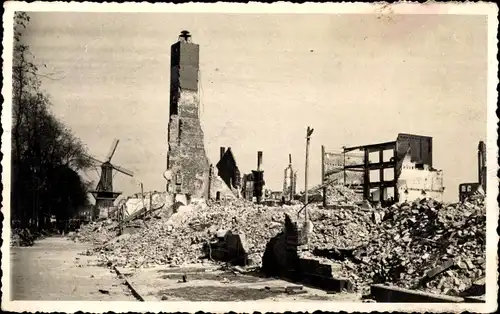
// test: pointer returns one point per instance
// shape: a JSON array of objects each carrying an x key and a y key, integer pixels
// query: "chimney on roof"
[
  {"x": 222, "y": 152},
  {"x": 259, "y": 160}
]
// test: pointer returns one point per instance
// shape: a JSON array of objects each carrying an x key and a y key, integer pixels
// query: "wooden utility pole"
[
  {"x": 308, "y": 139},
  {"x": 291, "y": 176},
  {"x": 150, "y": 201},
  {"x": 142, "y": 196},
  {"x": 121, "y": 218},
  {"x": 345, "y": 175}
]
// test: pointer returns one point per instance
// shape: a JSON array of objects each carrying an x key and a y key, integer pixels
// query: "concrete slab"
[
  {"x": 207, "y": 283},
  {"x": 475, "y": 299}
]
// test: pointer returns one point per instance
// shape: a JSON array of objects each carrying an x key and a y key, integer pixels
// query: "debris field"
[{"x": 424, "y": 245}]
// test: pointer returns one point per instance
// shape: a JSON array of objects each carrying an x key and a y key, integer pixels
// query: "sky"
[{"x": 355, "y": 78}]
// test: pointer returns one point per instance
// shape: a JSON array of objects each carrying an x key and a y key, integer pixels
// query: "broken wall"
[
  {"x": 417, "y": 183},
  {"x": 228, "y": 169},
  {"x": 334, "y": 167},
  {"x": 218, "y": 185},
  {"x": 420, "y": 147},
  {"x": 134, "y": 204}
]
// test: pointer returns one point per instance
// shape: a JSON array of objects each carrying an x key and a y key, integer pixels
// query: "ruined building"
[
  {"x": 247, "y": 186},
  {"x": 186, "y": 157},
  {"x": 253, "y": 183},
  {"x": 466, "y": 190},
  {"x": 289, "y": 181},
  {"x": 418, "y": 180},
  {"x": 228, "y": 170},
  {"x": 410, "y": 174}
]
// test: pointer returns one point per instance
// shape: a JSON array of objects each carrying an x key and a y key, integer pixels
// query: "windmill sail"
[
  {"x": 123, "y": 170},
  {"x": 95, "y": 159},
  {"x": 112, "y": 150}
]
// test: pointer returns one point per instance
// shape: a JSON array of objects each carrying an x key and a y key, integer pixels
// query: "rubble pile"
[
  {"x": 342, "y": 194},
  {"x": 345, "y": 228},
  {"x": 180, "y": 239},
  {"x": 335, "y": 194},
  {"x": 98, "y": 232},
  {"x": 21, "y": 237},
  {"x": 424, "y": 245}
]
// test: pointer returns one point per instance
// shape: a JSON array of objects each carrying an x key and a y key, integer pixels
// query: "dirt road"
[{"x": 53, "y": 270}]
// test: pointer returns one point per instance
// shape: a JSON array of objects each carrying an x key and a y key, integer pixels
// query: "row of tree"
[{"x": 46, "y": 156}]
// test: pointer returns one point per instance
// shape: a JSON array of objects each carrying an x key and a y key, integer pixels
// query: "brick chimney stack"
[{"x": 186, "y": 156}]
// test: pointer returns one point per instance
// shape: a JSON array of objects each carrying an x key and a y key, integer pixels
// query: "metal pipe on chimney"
[
  {"x": 259, "y": 160},
  {"x": 222, "y": 152}
]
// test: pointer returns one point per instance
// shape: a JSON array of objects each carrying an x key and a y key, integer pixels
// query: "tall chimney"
[
  {"x": 259, "y": 160},
  {"x": 222, "y": 152}
]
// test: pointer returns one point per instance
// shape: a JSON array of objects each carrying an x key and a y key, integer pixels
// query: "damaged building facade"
[
  {"x": 187, "y": 163},
  {"x": 289, "y": 181},
  {"x": 466, "y": 190},
  {"x": 395, "y": 171},
  {"x": 227, "y": 169},
  {"x": 253, "y": 183},
  {"x": 225, "y": 182}
]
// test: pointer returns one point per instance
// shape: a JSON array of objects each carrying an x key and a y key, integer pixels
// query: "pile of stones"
[
  {"x": 98, "y": 232},
  {"x": 424, "y": 245}
]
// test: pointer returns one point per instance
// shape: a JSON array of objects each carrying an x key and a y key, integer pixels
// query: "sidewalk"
[{"x": 52, "y": 269}]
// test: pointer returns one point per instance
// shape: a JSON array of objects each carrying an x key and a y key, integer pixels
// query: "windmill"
[{"x": 104, "y": 194}]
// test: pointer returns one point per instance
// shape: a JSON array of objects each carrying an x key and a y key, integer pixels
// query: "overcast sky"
[{"x": 356, "y": 79}]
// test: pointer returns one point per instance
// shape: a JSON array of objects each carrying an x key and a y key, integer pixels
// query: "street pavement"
[{"x": 53, "y": 270}]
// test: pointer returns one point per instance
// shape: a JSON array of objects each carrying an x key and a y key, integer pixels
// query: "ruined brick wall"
[
  {"x": 281, "y": 255},
  {"x": 186, "y": 156},
  {"x": 421, "y": 147}
]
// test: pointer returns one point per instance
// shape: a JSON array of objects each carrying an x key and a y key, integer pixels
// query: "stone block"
[
  {"x": 181, "y": 198},
  {"x": 328, "y": 283},
  {"x": 383, "y": 293},
  {"x": 437, "y": 270}
]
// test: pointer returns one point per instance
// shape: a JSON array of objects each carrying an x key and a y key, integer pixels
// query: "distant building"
[
  {"x": 247, "y": 187},
  {"x": 289, "y": 181},
  {"x": 277, "y": 195},
  {"x": 87, "y": 213},
  {"x": 466, "y": 190},
  {"x": 408, "y": 160}
]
